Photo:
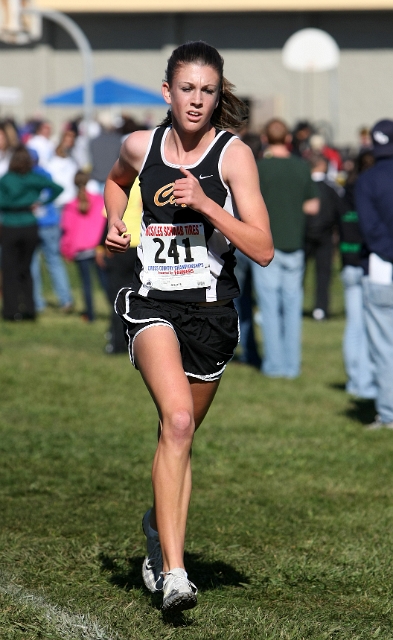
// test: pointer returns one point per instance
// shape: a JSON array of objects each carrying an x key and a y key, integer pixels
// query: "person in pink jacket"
[{"x": 83, "y": 224}]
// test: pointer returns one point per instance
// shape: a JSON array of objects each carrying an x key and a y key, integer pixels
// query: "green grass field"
[{"x": 290, "y": 523}]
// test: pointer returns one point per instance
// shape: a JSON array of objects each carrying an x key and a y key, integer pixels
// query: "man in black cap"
[{"x": 374, "y": 203}]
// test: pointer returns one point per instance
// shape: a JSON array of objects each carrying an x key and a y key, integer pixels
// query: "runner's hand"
[
  {"x": 118, "y": 240},
  {"x": 188, "y": 191}
]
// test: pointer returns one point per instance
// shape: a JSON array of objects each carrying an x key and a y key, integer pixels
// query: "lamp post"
[
  {"x": 20, "y": 23},
  {"x": 84, "y": 47}
]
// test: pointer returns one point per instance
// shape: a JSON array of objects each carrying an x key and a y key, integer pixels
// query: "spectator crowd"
[
  {"x": 52, "y": 211},
  {"x": 322, "y": 201}
]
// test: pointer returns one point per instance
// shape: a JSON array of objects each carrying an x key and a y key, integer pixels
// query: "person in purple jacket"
[{"x": 374, "y": 203}]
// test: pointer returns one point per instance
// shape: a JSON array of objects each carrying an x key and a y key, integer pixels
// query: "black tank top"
[{"x": 181, "y": 256}]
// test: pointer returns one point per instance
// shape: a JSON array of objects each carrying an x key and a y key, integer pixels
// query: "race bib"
[{"x": 175, "y": 257}]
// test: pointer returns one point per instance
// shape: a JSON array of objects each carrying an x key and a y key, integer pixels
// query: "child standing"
[{"x": 83, "y": 225}]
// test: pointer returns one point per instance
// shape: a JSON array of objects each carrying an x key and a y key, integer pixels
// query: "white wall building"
[{"x": 134, "y": 41}]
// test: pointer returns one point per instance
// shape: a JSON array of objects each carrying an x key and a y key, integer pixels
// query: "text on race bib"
[{"x": 175, "y": 257}]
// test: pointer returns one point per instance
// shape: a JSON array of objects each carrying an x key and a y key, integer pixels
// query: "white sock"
[{"x": 178, "y": 571}]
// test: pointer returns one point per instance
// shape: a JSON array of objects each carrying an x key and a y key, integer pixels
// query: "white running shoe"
[
  {"x": 319, "y": 314},
  {"x": 378, "y": 424},
  {"x": 179, "y": 592},
  {"x": 152, "y": 564}
]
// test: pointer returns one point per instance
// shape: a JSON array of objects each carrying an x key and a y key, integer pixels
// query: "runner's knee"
[{"x": 179, "y": 426}]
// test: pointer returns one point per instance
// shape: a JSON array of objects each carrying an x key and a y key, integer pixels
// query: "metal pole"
[
  {"x": 334, "y": 100},
  {"x": 84, "y": 46}
]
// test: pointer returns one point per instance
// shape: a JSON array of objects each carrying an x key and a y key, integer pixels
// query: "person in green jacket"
[{"x": 22, "y": 191}]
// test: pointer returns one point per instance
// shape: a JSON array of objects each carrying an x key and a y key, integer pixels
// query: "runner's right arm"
[{"x": 117, "y": 188}]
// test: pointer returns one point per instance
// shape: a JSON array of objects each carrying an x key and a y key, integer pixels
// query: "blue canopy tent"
[{"x": 106, "y": 92}]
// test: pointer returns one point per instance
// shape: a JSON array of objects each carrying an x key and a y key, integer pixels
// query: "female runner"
[{"x": 179, "y": 315}]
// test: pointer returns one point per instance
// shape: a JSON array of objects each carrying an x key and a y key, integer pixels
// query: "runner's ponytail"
[{"x": 231, "y": 112}]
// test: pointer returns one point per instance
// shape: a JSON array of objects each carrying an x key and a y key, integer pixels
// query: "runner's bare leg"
[{"x": 157, "y": 356}]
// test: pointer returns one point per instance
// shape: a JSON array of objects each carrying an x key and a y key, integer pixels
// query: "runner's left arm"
[{"x": 251, "y": 234}]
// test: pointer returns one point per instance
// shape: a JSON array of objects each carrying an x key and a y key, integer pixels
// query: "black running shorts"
[{"x": 207, "y": 336}]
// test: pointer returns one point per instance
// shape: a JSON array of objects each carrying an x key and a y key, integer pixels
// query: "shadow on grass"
[
  {"x": 206, "y": 574},
  {"x": 125, "y": 574},
  {"x": 333, "y": 315},
  {"x": 213, "y": 574},
  {"x": 361, "y": 410},
  {"x": 339, "y": 386}
]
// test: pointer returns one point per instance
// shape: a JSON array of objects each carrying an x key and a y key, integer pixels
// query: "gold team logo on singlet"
[{"x": 164, "y": 196}]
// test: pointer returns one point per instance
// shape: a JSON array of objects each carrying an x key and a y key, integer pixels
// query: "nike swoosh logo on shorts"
[
  {"x": 203, "y": 177},
  {"x": 218, "y": 363}
]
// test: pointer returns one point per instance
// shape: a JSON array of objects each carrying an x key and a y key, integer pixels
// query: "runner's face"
[{"x": 193, "y": 96}]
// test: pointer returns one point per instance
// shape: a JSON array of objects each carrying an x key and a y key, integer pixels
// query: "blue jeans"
[
  {"x": 49, "y": 245},
  {"x": 279, "y": 292},
  {"x": 243, "y": 272},
  {"x": 357, "y": 361},
  {"x": 378, "y": 307},
  {"x": 85, "y": 266}
]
